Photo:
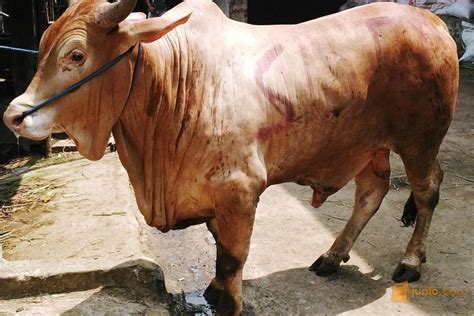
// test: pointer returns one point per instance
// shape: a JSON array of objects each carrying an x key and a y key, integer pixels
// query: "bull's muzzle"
[
  {"x": 13, "y": 118},
  {"x": 35, "y": 127}
]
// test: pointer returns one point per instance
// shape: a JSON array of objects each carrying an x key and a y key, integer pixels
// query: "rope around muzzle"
[{"x": 88, "y": 78}]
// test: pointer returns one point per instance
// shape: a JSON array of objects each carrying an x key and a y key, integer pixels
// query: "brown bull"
[{"x": 221, "y": 110}]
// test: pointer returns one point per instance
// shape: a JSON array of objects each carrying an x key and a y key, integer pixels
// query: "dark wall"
[
  {"x": 290, "y": 12},
  {"x": 277, "y": 11},
  {"x": 28, "y": 20},
  {"x": 142, "y": 6}
]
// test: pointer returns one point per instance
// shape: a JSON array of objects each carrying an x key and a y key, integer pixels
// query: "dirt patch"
[{"x": 25, "y": 193}]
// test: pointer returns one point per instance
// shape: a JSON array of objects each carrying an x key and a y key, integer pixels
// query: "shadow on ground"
[
  {"x": 381, "y": 245},
  {"x": 348, "y": 290},
  {"x": 117, "y": 301}
]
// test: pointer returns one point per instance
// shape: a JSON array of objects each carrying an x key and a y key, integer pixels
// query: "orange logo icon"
[{"x": 400, "y": 293}]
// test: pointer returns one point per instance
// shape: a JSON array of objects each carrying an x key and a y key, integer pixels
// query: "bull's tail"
[{"x": 409, "y": 212}]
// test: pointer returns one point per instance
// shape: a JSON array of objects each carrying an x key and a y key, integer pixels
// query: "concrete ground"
[{"x": 90, "y": 225}]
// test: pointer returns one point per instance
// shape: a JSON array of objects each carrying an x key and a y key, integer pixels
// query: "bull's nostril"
[{"x": 18, "y": 120}]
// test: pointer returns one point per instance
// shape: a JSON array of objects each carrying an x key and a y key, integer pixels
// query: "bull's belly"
[{"x": 325, "y": 175}]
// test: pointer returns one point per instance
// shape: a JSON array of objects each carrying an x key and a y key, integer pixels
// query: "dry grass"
[{"x": 26, "y": 192}]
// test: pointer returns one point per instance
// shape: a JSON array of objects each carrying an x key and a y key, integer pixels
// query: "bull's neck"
[{"x": 150, "y": 129}]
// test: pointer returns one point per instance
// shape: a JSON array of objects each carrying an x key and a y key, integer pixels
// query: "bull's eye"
[
  {"x": 74, "y": 59},
  {"x": 77, "y": 57}
]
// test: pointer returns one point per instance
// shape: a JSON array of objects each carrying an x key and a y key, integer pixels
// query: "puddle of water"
[
  {"x": 197, "y": 299},
  {"x": 194, "y": 303}
]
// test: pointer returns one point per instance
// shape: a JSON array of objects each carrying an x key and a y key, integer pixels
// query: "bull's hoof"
[
  {"x": 405, "y": 272},
  {"x": 212, "y": 294},
  {"x": 324, "y": 266}
]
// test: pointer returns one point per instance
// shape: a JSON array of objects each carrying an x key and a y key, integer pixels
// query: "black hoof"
[
  {"x": 405, "y": 272},
  {"x": 324, "y": 266},
  {"x": 212, "y": 295}
]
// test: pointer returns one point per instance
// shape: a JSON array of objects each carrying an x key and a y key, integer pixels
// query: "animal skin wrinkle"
[
  {"x": 64, "y": 49},
  {"x": 48, "y": 40},
  {"x": 163, "y": 209},
  {"x": 155, "y": 100},
  {"x": 189, "y": 101},
  {"x": 59, "y": 27}
]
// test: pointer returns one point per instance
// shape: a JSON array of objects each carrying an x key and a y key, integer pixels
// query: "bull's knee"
[{"x": 227, "y": 265}]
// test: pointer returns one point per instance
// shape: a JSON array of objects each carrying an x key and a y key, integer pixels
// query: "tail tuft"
[{"x": 409, "y": 212}]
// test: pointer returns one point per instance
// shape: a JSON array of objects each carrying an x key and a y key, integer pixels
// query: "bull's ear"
[
  {"x": 151, "y": 30},
  {"x": 72, "y": 2},
  {"x": 136, "y": 16}
]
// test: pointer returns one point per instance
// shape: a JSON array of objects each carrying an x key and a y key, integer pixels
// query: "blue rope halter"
[{"x": 96, "y": 73}]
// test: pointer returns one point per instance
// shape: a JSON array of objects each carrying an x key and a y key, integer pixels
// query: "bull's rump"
[{"x": 382, "y": 75}]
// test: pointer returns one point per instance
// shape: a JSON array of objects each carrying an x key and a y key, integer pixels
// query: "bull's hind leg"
[
  {"x": 372, "y": 185},
  {"x": 425, "y": 177}
]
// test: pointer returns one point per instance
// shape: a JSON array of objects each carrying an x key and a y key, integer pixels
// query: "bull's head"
[{"x": 88, "y": 35}]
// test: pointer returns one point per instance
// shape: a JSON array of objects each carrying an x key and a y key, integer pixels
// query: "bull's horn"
[{"x": 111, "y": 14}]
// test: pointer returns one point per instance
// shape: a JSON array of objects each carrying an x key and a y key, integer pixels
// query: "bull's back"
[{"x": 383, "y": 75}]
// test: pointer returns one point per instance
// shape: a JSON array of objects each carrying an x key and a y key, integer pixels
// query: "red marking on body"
[
  {"x": 374, "y": 26},
  {"x": 281, "y": 103}
]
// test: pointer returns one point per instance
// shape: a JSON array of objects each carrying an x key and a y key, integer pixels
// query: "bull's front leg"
[
  {"x": 215, "y": 288},
  {"x": 232, "y": 229}
]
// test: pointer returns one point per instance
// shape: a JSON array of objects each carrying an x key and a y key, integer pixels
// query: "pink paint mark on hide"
[
  {"x": 374, "y": 25},
  {"x": 281, "y": 103}
]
